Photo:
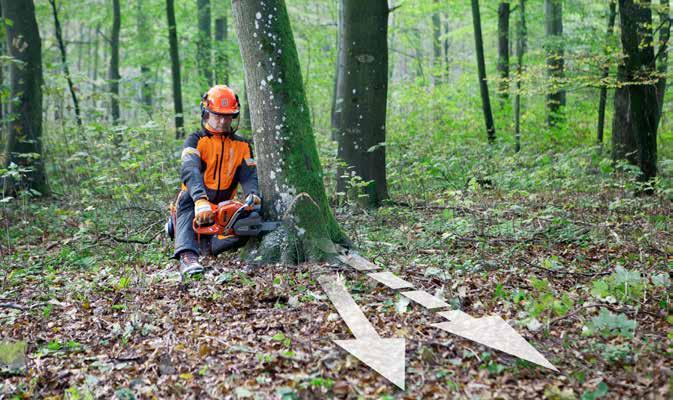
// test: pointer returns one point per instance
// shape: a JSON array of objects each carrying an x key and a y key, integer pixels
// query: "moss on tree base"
[{"x": 302, "y": 237}]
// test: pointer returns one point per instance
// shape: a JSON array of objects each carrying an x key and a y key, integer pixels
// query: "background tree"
[
  {"x": 175, "y": 70},
  {"x": 603, "y": 96},
  {"x": 636, "y": 108},
  {"x": 113, "y": 71},
  {"x": 204, "y": 47},
  {"x": 503, "y": 50},
  {"x": 362, "y": 88},
  {"x": 143, "y": 37},
  {"x": 521, "y": 33},
  {"x": 436, "y": 44},
  {"x": 556, "y": 99},
  {"x": 24, "y": 139},
  {"x": 664, "y": 13},
  {"x": 64, "y": 60},
  {"x": 221, "y": 66},
  {"x": 481, "y": 64},
  {"x": 289, "y": 170}
]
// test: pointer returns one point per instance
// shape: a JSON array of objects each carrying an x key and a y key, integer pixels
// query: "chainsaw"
[{"x": 233, "y": 222}]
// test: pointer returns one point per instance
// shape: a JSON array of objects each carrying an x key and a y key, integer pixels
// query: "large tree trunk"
[
  {"x": 603, "y": 97},
  {"x": 175, "y": 69},
  {"x": 221, "y": 67},
  {"x": 483, "y": 83},
  {"x": 361, "y": 93},
  {"x": 290, "y": 174},
  {"x": 636, "y": 109},
  {"x": 503, "y": 51},
  {"x": 144, "y": 40},
  {"x": 203, "y": 48},
  {"x": 662, "y": 53},
  {"x": 520, "y": 51},
  {"x": 64, "y": 60},
  {"x": 24, "y": 139},
  {"x": 113, "y": 72}
]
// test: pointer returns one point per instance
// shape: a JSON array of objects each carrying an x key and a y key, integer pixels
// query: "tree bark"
[
  {"x": 221, "y": 67},
  {"x": 290, "y": 174},
  {"x": 636, "y": 109},
  {"x": 203, "y": 47},
  {"x": 113, "y": 72},
  {"x": 24, "y": 139},
  {"x": 64, "y": 61},
  {"x": 361, "y": 94},
  {"x": 603, "y": 97},
  {"x": 175, "y": 69},
  {"x": 556, "y": 99},
  {"x": 144, "y": 40},
  {"x": 521, "y": 34},
  {"x": 483, "y": 83},
  {"x": 503, "y": 51}
]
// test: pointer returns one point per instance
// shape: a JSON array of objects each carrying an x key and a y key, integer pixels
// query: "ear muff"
[{"x": 204, "y": 102}]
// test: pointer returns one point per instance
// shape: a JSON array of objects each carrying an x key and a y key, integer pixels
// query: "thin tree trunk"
[
  {"x": 290, "y": 175},
  {"x": 362, "y": 93},
  {"x": 175, "y": 69},
  {"x": 447, "y": 66},
  {"x": 144, "y": 40},
  {"x": 113, "y": 72},
  {"x": 556, "y": 99},
  {"x": 221, "y": 67},
  {"x": 503, "y": 51},
  {"x": 436, "y": 45},
  {"x": 521, "y": 34},
  {"x": 25, "y": 129},
  {"x": 603, "y": 97},
  {"x": 338, "y": 76},
  {"x": 203, "y": 47},
  {"x": 662, "y": 53},
  {"x": 641, "y": 113},
  {"x": 94, "y": 77},
  {"x": 64, "y": 61},
  {"x": 483, "y": 83}
]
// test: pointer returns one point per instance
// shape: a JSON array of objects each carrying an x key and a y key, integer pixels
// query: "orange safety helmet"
[{"x": 220, "y": 100}]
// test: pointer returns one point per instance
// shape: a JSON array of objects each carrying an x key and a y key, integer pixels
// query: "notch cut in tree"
[{"x": 289, "y": 170}]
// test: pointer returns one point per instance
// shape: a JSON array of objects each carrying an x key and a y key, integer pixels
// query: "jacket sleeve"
[
  {"x": 247, "y": 173},
  {"x": 190, "y": 172}
]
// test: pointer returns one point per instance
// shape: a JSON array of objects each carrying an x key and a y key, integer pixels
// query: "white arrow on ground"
[
  {"x": 493, "y": 332},
  {"x": 385, "y": 356}
]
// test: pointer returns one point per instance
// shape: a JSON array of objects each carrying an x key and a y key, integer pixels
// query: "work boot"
[{"x": 189, "y": 264}]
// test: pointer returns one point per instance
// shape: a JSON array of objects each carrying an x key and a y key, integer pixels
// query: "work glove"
[
  {"x": 253, "y": 200},
  {"x": 203, "y": 212}
]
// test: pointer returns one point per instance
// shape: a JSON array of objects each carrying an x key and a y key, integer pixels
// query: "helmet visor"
[{"x": 220, "y": 122}]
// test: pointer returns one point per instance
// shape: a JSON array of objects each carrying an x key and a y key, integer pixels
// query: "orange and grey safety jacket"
[{"x": 214, "y": 166}]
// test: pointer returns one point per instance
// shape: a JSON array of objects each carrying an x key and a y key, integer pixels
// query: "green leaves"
[{"x": 608, "y": 324}]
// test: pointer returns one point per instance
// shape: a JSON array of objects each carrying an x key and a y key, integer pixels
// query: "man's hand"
[
  {"x": 203, "y": 212},
  {"x": 253, "y": 200}
]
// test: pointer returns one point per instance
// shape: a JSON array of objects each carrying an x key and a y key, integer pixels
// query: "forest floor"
[{"x": 585, "y": 277}]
